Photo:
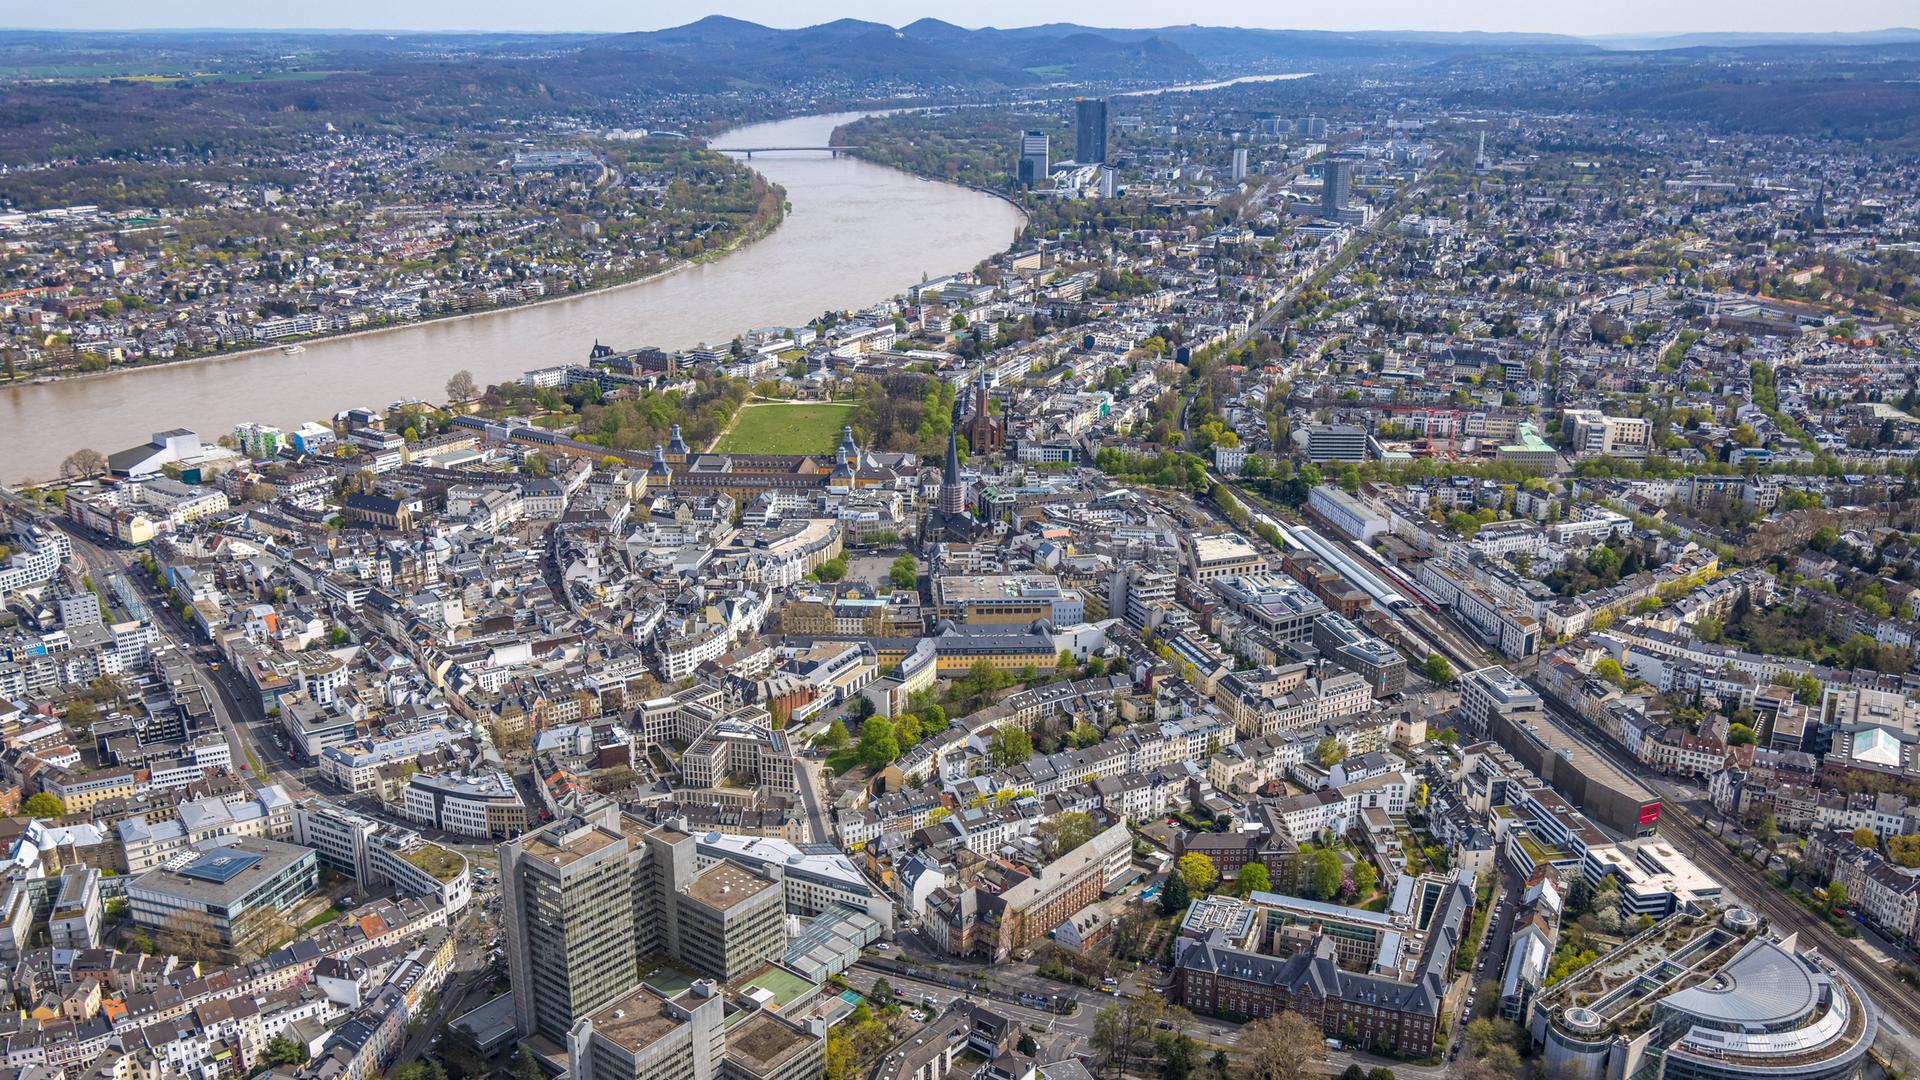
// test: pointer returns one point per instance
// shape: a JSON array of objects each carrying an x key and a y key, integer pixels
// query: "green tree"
[
  {"x": 836, "y": 735},
  {"x": 1436, "y": 668},
  {"x": 81, "y": 713},
  {"x": 1579, "y": 898},
  {"x": 284, "y": 1052},
  {"x": 418, "y": 1070},
  {"x": 905, "y": 573},
  {"x": 524, "y": 1065},
  {"x": 1323, "y": 874},
  {"x": 1064, "y": 832},
  {"x": 907, "y": 731},
  {"x": 1365, "y": 878},
  {"x": 1808, "y": 690},
  {"x": 43, "y": 804},
  {"x": 841, "y": 1062},
  {"x": 1252, "y": 878},
  {"x": 1197, "y": 871},
  {"x": 878, "y": 744},
  {"x": 1609, "y": 669},
  {"x": 1009, "y": 746},
  {"x": 1603, "y": 563},
  {"x": 1174, "y": 895},
  {"x": 1329, "y": 751}
]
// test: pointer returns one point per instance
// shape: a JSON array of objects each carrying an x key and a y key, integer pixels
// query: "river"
[
  {"x": 857, "y": 233},
  {"x": 1195, "y": 88}
]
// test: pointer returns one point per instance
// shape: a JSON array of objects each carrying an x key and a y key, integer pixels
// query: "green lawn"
[
  {"x": 333, "y": 912},
  {"x": 804, "y": 428}
]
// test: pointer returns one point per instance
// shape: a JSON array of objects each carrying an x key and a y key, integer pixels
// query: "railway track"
[
  {"x": 1898, "y": 1003},
  {"x": 1894, "y": 998}
]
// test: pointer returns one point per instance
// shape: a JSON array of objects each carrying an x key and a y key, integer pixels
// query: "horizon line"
[{"x": 423, "y": 31}]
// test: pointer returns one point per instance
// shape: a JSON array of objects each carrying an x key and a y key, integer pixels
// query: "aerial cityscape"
[{"x": 938, "y": 552}]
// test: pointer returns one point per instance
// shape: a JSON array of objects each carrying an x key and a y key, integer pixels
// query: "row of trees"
[
  {"x": 1166, "y": 469},
  {"x": 1141, "y": 1034}
]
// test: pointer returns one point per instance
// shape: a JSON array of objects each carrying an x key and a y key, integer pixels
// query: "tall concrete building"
[
  {"x": 586, "y": 899},
  {"x": 731, "y": 922},
  {"x": 1336, "y": 442},
  {"x": 1239, "y": 163},
  {"x": 1336, "y": 187},
  {"x": 570, "y": 922},
  {"x": 1090, "y": 131},
  {"x": 1035, "y": 159},
  {"x": 645, "y": 1034},
  {"x": 658, "y": 1033},
  {"x": 1592, "y": 432}
]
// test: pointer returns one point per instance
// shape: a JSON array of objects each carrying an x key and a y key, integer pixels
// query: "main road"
[
  {"x": 234, "y": 709},
  {"x": 856, "y": 233}
]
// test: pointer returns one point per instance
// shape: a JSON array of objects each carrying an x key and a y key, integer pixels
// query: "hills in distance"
[
  {"x": 93, "y": 94},
  {"x": 933, "y": 51}
]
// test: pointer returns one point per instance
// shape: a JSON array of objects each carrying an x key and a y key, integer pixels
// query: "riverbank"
[
  {"x": 842, "y": 244},
  {"x": 650, "y": 276}
]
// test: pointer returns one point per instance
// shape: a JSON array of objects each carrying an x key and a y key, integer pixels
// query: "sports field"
[{"x": 803, "y": 428}]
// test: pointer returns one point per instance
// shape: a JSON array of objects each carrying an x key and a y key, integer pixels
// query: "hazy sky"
[{"x": 1561, "y": 16}]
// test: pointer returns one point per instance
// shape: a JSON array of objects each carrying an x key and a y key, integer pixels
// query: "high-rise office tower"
[
  {"x": 584, "y": 901},
  {"x": 568, "y": 904},
  {"x": 1090, "y": 131},
  {"x": 1337, "y": 184},
  {"x": 1239, "y": 163},
  {"x": 1035, "y": 154}
]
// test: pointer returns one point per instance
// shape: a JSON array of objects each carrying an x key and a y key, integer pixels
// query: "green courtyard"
[{"x": 810, "y": 427}]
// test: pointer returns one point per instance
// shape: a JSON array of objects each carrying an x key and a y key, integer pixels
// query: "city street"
[{"x": 810, "y": 784}]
